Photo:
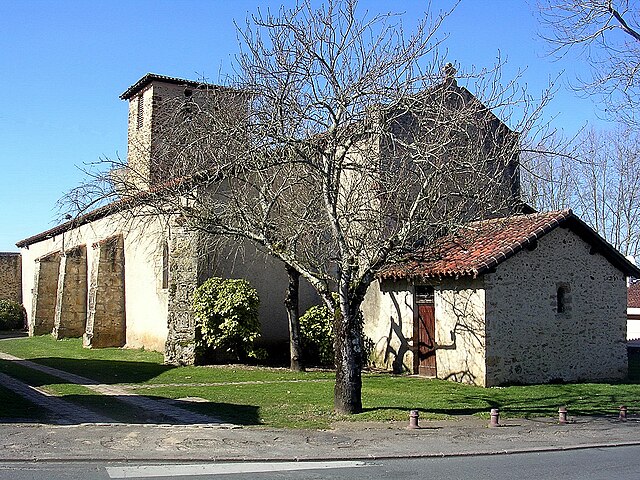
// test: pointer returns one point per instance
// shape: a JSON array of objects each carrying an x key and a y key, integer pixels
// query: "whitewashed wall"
[{"x": 146, "y": 300}]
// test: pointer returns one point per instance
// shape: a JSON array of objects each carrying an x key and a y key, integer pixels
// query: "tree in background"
[
  {"x": 605, "y": 33},
  {"x": 599, "y": 178}
]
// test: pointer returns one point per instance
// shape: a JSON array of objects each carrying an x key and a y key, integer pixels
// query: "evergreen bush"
[
  {"x": 316, "y": 336},
  {"x": 11, "y": 315},
  {"x": 226, "y": 312}
]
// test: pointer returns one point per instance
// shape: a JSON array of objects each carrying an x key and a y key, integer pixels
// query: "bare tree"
[
  {"x": 548, "y": 175},
  {"x": 608, "y": 187},
  {"x": 606, "y": 33},
  {"x": 293, "y": 314},
  {"x": 342, "y": 145},
  {"x": 598, "y": 177}
]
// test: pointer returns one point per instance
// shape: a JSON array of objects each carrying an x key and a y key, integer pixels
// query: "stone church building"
[
  {"x": 118, "y": 280},
  {"x": 520, "y": 299}
]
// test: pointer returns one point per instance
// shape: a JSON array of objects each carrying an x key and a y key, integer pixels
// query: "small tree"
[{"x": 226, "y": 312}]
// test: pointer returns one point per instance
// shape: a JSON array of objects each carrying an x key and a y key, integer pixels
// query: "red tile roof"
[
  {"x": 633, "y": 295},
  {"x": 480, "y": 246}
]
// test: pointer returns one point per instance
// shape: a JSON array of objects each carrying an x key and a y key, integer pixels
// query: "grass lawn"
[{"x": 280, "y": 398}]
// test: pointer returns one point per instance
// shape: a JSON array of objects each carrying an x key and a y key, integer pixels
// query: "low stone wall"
[{"x": 11, "y": 276}]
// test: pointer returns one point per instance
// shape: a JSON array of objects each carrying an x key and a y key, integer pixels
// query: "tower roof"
[{"x": 151, "y": 77}]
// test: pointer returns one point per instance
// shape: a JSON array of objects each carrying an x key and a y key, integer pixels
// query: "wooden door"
[{"x": 425, "y": 332}]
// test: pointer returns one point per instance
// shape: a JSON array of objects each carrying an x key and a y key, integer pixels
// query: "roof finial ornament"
[{"x": 449, "y": 74}]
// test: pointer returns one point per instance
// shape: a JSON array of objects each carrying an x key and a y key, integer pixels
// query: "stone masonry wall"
[
  {"x": 11, "y": 276},
  {"x": 45, "y": 293},
  {"x": 71, "y": 305},
  {"x": 389, "y": 323},
  {"x": 389, "y": 313},
  {"x": 184, "y": 278},
  {"x": 530, "y": 341},
  {"x": 106, "y": 322}
]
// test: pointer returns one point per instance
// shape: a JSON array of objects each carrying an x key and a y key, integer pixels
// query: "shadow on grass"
[
  {"x": 434, "y": 411},
  {"x": 115, "y": 408},
  {"x": 105, "y": 371},
  {"x": 17, "y": 409},
  {"x": 118, "y": 409},
  {"x": 8, "y": 334},
  {"x": 581, "y": 399}
]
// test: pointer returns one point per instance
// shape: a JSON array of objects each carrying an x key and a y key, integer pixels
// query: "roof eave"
[
  {"x": 602, "y": 246},
  {"x": 151, "y": 77}
]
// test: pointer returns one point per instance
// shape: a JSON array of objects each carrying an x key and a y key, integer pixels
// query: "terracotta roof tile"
[
  {"x": 482, "y": 245},
  {"x": 633, "y": 295}
]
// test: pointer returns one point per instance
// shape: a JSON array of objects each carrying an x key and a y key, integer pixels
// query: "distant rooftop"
[{"x": 633, "y": 295}]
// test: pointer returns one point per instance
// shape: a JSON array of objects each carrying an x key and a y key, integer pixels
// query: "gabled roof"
[
  {"x": 480, "y": 246},
  {"x": 151, "y": 77}
]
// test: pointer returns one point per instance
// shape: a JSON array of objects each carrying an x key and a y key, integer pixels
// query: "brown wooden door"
[{"x": 426, "y": 333}]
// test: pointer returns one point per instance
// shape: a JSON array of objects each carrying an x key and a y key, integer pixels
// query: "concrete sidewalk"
[{"x": 466, "y": 436}]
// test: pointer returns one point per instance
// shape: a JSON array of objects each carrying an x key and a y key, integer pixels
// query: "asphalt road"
[{"x": 620, "y": 463}]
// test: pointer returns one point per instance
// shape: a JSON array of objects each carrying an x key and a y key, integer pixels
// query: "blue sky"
[{"x": 64, "y": 63}]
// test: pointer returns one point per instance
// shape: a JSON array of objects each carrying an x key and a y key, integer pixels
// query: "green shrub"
[
  {"x": 11, "y": 315},
  {"x": 316, "y": 336},
  {"x": 226, "y": 313}
]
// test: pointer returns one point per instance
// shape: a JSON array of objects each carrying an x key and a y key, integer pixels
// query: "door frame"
[{"x": 423, "y": 295}]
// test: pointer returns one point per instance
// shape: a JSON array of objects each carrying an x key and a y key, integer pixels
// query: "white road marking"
[{"x": 147, "y": 471}]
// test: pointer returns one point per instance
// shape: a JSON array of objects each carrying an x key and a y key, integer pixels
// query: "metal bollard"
[
  {"x": 623, "y": 413},
  {"x": 562, "y": 415},
  {"x": 413, "y": 419},
  {"x": 495, "y": 418}
]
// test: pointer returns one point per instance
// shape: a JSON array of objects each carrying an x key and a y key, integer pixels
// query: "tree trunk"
[
  {"x": 293, "y": 313},
  {"x": 348, "y": 349}
]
